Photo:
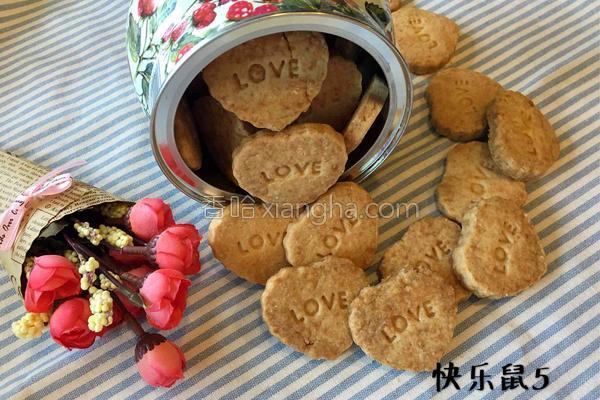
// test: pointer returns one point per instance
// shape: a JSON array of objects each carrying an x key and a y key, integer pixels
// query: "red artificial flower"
[
  {"x": 69, "y": 324},
  {"x": 52, "y": 278},
  {"x": 264, "y": 9},
  {"x": 177, "y": 248},
  {"x": 204, "y": 15},
  {"x": 146, "y": 7},
  {"x": 165, "y": 292},
  {"x": 239, "y": 10},
  {"x": 149, "y": 217},
  {"x": 162, "y": 365}
]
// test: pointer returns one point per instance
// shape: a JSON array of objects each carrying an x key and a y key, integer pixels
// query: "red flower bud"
[
  {"x": 165, "y": 293},
  {"x": 177, "y": 248},
  {"x": 52, "y": 278},
  {"x": 178, "y": 31},
  {"x": 204, "y": 15},
  {"x": 69, "y": 324},
  {"x": 239, "y": 10},
  {"x": 264, "y": 9},
  {"x": 149, "y": 217},
  {"x": 146, "y": 8},
  {"x": 159, "y": 361}
]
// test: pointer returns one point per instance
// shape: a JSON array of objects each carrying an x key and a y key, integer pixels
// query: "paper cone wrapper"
[{"x": 16, "y": 175}]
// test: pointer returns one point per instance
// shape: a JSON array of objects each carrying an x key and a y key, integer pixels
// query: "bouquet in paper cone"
[{"x": 83, "y": 261}]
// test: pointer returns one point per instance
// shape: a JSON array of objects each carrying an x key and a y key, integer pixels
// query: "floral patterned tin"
[{"x": 169, "y": 42}]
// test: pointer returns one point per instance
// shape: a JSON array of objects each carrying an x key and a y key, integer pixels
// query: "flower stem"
[
  {"x": 135, "y": 280},
  {"x": 133, "y": 323},
  {"x": 106, "y": 267},
  {"x": 134, "y": 250}
]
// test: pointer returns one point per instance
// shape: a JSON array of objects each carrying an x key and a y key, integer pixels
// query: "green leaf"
[
  {"x": 165, "y": 10},
  {"x": 133, "y": 39},
  {"x": 377, "y": 13}
]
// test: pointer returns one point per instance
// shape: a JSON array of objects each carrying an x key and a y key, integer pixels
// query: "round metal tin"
[{"x": 170, "y": 43}]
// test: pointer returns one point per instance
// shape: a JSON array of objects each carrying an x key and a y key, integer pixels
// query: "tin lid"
[{"x": 391, "y": 63}]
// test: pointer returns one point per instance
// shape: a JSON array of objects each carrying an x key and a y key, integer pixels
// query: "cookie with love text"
[
  {"x": 307, "y": 307},
  {"x": 271, "y": 80},
  {"x": 499, "y": 253},
  {"x": 405, "y": 322}
]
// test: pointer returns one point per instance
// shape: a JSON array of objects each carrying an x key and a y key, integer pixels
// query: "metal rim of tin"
[{"x": 376, "y": 44}]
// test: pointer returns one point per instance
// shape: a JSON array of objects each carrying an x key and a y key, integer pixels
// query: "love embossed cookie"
[
  {"x": 307, "y": 307},
  {"x": 468, "y": 178},
  {"x": 339, "y": 95},
  {"x": 429, "y": 242},
  {"x": 425, "y": 39},
  {"x": 294, "y": 166},
  {"x": 499, "y": 253},
  {"x": 271, "y": 80},
  {"x": 341, "y": 222},
  {"x": 407, "y": 321},
  {"x": 522, "y": 142},
  {"x": 248, "y": 240},
  {"x": 458, "y": 99}
]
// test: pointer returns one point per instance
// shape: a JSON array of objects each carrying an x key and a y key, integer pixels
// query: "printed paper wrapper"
[{"x": 16, "y": 175}]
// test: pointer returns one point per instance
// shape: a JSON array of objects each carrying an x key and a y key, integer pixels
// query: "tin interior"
[{"x": 208, "y": 184}]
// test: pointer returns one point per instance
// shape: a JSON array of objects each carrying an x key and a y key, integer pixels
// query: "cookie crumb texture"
[
  {"x": 294, "y": 166},
  {"x": 342, "y": 223},
  {"x": 248, "y": 240},
  {"x": 271, "y": 80},
  {"x": 429, "y": 243},
  {"x": 307, "y": 307},
  {"x": 522, "y": 142},
  {"x": 499, "y": 253},
  {"x": 458, "y": 99},
  {"x": 469, "y": 177},
  {"x": 425, "y": 39},
  {"x": 405, "y": 322}
]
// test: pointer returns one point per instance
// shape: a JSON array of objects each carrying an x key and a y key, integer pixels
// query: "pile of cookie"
[
  {"x": 317, "y": 298},
  {"x": 278, "y": 115}
]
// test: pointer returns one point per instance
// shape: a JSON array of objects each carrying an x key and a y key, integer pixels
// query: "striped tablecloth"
[{"x": 65, "y": 93}]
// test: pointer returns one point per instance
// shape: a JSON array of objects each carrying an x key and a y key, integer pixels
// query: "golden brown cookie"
[
  {"x": 293, "y": 166},
  {"x": 366, "y": 113},
  {"x": 522, "y": 142},
  {"x": 307, "y": 307},
  {"x": 499, "y": 253},
  {"x": 429, "y": 242},
  {"x": 186, "y": 137},
  {"x": 458, "y": 99},
  {"x": 426, "y": 40},
  {"x": 338, "y": 97},
  {"x": 271, "y": 80},
  {"x": 395, "y": 5},
  {"x": 468, "y": 178},
  {"x": 221, "y": 131},
  {"x": 342, "y": 222},
  {"x": 407, "y": 321},
  {"x": 248, "y": 240}
]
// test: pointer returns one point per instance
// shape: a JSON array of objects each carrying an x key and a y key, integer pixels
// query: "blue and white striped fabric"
[{"x": 65, "y": 93}]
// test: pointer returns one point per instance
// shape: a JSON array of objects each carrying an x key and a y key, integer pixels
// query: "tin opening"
[
  {"x": 208, "y": 184},
  {"x": 212, "y": 170}
]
